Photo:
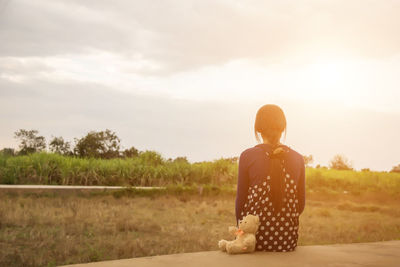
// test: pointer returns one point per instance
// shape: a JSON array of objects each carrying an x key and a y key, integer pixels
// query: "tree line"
[
  {"x": 338, "y": 162},
  {"x": 96, "y": 144}
]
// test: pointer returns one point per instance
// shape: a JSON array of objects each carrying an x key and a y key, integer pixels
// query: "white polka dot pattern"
[{"x": 278, "y": 229}]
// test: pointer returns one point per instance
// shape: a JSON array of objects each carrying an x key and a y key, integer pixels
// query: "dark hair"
[{"x": 270, "y": 123}]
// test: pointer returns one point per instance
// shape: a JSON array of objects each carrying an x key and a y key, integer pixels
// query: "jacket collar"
[{"x": 268, "y": 148}]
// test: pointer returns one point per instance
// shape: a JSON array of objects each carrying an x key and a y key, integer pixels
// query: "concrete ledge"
[
  {"x": 342, "y": 255},
  {"x": 75, "y": 187}
]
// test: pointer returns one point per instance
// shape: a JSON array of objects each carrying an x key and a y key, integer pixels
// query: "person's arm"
[
  {"x": 242, "y": 187},
  {"x": 301, "y": 187}
]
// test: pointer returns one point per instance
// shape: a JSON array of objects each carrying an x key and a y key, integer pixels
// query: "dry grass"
[{"x": 48, "y": 231}]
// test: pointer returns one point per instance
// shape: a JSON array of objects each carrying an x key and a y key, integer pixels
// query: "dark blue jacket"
[{"x": 254, "y": 166}]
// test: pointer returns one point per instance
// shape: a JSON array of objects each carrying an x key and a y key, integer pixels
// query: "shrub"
[
  {"x": 396, "y": 168},
  {"x": 340, "y": 162},
  {"x": 308, "y": 160},
  {"x": 130, "y": 153},
  {"x": 8, "y": 152}
]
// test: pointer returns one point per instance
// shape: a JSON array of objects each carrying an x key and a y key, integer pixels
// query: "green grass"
[
  {"x": 354, "y": 182},
  {"x": 46, "y": 168},
  {"x": 54, "y": 169}
]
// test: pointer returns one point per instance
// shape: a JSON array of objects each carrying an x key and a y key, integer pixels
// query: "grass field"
[
  {"x": 49, "y": 230},
  {"x": 150, "y": 169}
]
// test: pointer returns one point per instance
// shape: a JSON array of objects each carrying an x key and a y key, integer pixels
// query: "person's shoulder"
[
  {"x": 248, "y": 152},
  {"x": 296, "y": 155}
]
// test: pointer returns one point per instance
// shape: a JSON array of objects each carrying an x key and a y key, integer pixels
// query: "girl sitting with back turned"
[{"x": 271, "y": 184}]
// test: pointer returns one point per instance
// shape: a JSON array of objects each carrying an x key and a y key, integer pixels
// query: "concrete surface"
[{"x": 385, "y": 254}]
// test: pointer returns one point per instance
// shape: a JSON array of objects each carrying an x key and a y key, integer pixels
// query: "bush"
[
  {"x": 396, "y": 168},
  {"x": 8, "y": 152},
  {"x": 340, "y": 162},
  {"x": 130, "y": 153},
  {"x": 308, "y": 160},
  {"x": 152, "y": 158}
]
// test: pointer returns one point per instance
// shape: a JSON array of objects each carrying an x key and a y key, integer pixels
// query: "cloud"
[
  {"x": 197, "y": 129},
  {"x": 183, "y": 35},
  {"x": 200, "y": 130},
  {"x": 68, "y": 67}
]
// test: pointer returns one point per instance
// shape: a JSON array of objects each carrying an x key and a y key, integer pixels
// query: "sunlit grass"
[
  {"x": 192, "y": 214},
  {"x": 151, "y": 170},
  {"x": 145, "y": 170},
  {"x": 356, "y": 182},
  {"x": 48, "y": 230}
]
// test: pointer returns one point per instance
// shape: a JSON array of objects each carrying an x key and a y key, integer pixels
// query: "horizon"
[{"x": 186, "y": 79}]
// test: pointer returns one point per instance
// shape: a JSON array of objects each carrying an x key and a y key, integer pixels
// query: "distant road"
[{"x": 74, "y": 187}]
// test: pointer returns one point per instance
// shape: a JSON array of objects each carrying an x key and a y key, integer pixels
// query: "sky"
[{"x": 186, "y": 78}]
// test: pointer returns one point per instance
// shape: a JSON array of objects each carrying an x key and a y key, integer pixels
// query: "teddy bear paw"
[{"x": 222, "y": 245}]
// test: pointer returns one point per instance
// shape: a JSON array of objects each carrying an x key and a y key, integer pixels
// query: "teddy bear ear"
[{"x": 257, "y": 219}]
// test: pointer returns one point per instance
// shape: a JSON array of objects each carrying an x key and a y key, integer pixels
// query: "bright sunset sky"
[{"x": 186, "y": 78}]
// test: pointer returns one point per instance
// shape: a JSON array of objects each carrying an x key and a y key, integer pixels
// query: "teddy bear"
[{"x": 245, "y": 240}]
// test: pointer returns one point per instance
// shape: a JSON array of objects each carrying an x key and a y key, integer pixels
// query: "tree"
[
  {"x": 130, "y": 153},
  {"x": 58, "y": 145},
  {"x": 308, "y": 160},
  {"x": 232, "y": 159},
  {"x": 103, "y": 144},
  {"x": 30, "y": 142},
  {"x": 340, "y": 162},
  {"x": 181, "y": 160},
  {"x": 7, "y": 151},
  {"x": 396, "y": 168},
  {"x": 151, "y": 157}
]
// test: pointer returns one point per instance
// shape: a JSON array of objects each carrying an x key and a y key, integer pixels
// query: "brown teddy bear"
[{"x": 245, "y": 236}]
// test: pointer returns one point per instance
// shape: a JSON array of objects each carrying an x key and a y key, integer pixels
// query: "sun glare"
[{"x": 328, "y": 79}]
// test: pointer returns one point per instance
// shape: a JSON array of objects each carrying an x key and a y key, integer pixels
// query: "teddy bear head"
[{"x": 249, "y": 224}]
